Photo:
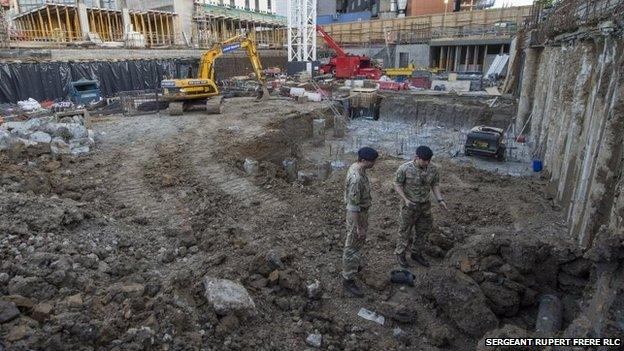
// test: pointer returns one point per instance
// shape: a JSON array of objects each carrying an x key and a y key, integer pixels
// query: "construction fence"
[{"x": 421, "y": 29}]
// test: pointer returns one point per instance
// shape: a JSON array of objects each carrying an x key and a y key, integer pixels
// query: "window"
[
  {"x": 269, "y": 7},
  {"x": 246, "y": 4},
  {"x": 257, "y": 5},
  {"x": 232, "y": 3},
  {"x": 403, "y": 59}
]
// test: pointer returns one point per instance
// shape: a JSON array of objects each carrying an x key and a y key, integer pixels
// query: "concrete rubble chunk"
[
  {"x": 80, "y": 151},
  {"x": 8, "y": 311},
  {"x": 315, "y": 340},
  {"x": 77, "y": 131},
  {"x": 58, "y": 146},
  {"x": 227, "y": 297},
  {"x": 40, "y": 137},
  {"x": 42, "y": 311}
]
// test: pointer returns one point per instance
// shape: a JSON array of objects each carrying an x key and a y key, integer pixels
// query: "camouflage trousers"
[
  {"x": 415, "y": 224},
  {"x": 351, "y": 255}
]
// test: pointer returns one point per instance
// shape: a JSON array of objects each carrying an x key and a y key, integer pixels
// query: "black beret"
[
  {"x": 424, "y": 153},
  {"x": 368, "y": 154}
]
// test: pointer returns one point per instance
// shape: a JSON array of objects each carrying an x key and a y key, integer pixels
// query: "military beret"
[{"x": 368, "y": 154}]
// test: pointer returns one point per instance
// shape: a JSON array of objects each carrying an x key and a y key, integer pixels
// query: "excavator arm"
[{"x": 206, "y": 65}]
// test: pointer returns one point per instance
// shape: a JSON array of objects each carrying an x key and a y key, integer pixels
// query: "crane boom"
[{"x": 331, "y": 42}]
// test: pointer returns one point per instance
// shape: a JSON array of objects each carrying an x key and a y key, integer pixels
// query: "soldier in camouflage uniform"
[
  {"x": 358, "y": 200},
  {"x": 413, "y": 182}
]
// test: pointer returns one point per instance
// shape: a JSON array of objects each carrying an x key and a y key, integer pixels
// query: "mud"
[{"x": 109, "y": 252}]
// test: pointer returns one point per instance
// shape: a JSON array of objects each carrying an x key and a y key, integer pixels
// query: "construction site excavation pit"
[{"x": 132, "y": 246}]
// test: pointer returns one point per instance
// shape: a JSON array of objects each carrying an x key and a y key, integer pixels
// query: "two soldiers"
[{"x": 414, "y": 182}]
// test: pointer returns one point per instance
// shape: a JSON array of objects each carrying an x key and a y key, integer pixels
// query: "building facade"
[
  {"x": 264, "y": 6},
  {"x": 27, "y": 5}
]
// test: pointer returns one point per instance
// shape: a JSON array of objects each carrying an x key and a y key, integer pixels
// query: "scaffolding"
[
  {"x": 212, "y": 24},
  {"x": 60, "y": 23}
]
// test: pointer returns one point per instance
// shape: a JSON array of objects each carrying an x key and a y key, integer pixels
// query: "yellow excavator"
[{"x": 182, "y": 94}]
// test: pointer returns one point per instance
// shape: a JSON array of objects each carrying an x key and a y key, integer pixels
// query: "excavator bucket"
[
  {"x": 214, "y": 105},
  {"x": 263, "y": 94}
]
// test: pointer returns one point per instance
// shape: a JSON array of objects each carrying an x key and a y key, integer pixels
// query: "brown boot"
[
  {"x": 352, "y": 288},
  {"x": 402, "y": 261},
  {"x": 418, "y": 258}
]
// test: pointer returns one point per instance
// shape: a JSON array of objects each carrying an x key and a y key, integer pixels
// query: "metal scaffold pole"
[{"x": 301, "y": 30}]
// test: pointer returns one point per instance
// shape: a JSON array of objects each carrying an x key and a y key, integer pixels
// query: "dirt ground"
[{"x": 108, "y": 251}]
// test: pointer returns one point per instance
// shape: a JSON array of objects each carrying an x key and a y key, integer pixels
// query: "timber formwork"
[
  {"x": 212, "y": 24},
  {"x": 60, "y": 23},
  {"x": 422, "y": 29}
]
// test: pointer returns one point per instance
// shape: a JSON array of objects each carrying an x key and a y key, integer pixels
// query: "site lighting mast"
[{"x": 301, "y": 30}]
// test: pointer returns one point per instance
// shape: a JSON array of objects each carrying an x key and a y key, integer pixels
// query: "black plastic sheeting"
[{"x": 50, "y": 80}]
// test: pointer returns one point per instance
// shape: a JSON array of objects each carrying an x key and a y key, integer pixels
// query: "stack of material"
[{"x": 64, "y": 133}]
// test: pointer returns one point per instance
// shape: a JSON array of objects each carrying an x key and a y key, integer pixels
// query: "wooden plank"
[
  {"x": 43, "y": 28},
  {"x": 149, "y": 28},
  {"x": 47, "y": 7},
  {"x": 110, "y": 26},
  {"x": 68, "y": 25},
  {"x": 162, "y": 27},
  {"x": 171, "y": 41}
]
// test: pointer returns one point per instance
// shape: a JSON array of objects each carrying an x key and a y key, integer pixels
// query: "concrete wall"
[
  {"x": 574, "y": 94},
  {"x": 418, "y": 54}
]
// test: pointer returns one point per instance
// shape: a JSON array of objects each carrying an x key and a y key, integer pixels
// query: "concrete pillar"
[
  {"x": 529, "y": 73},
  {"x": 185, "y": 10},
  {"x": 126, "y": 22},
  {"x": 457, "y": 58},
  {"x": 466, "y": 61},
  {"x": 318, "y": 131},
  {"x": 83, "y": 19},
  {"x": 475, "y": 58}
]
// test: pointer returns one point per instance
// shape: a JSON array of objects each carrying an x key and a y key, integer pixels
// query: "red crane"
[{"x": 344, "y": 65}]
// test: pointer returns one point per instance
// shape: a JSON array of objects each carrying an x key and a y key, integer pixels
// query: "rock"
[
  {"x": 58, "y": 146},
  {"x": 19, "y": 301},
  {"x": 8, "y": 311},
  {"x": 440, "y": 335},
  {"x": 314, "y": 290},
  {"x": 315, "y": 340},
  {"x": 77, "y": 131},
  {"x": 4, "y": 278},
  {"x": 18, "y": 332},
  {"x": 400, "y": 335},
  {"x": 522, "y": 255},
  {"x": 267, "y": 263},
  {"x": 529, "y": 298},
  {"x": 459, "y": 297},
  {"x": 42, "y": 311},
  {"x": 228, "y": 297},
  {"x": 227, "y": 325},
  {"x": 6, "y": 140},
  {"x": 152, "y": 289},
  {"x": 508, "y": 331},
  {"x": 434, "y": 251},
  {"x": 74, "y": 301},
  {"x": 490, "y": 263},
  {"x": 290, "y": 280},
  {"x": 439, "y": 239},
  {"x": 505, "y": 302},
  {"x": 510, "y": 272},
  {"x": 80, "y": 151},
  {"x": 40, "y": 137},
  {"x": 34, "y": 287},
  {"x": 580, "y": 267}
]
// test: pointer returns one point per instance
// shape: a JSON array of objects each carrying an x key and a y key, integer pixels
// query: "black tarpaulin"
[{"x": 50, "y": 80}]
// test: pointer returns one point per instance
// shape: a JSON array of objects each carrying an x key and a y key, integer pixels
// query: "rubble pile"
[{"x": 47, "y": 135}]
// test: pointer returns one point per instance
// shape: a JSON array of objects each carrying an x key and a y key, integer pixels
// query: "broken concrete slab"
[{"x": 227, "y": 297}]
